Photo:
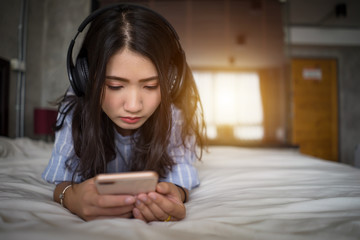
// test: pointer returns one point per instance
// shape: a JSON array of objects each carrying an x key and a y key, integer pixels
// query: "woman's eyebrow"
[{"x": 127, "y": 80}]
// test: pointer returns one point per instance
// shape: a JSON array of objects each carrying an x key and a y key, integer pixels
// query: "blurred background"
[{"x": 271, "y": 73}]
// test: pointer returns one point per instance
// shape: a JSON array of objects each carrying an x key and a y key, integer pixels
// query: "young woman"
[{"x": 133, "y": 105}]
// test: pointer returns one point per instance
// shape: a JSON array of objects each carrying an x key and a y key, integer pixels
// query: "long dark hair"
[{"x": 146, "y": 33}]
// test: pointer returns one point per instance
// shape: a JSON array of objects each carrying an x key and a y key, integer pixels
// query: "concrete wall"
[
  {"x": 9, "y": 21},
  {"x": 321, "y": 17},
  {"x": 51, "y": 24},
  {"x": 213, "y": 33},
  {"x": 348, "y": 93}
]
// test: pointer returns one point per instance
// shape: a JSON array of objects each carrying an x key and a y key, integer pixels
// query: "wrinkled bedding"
[{"x": 245, "y": 193}]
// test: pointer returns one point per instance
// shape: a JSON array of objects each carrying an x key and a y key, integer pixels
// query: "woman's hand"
[
  {"x": 83, "y": 200},
  {"x": 159, "y": 205}
]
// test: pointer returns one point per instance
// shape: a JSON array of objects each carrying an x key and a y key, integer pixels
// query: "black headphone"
[{"x": 79, "y": 73}]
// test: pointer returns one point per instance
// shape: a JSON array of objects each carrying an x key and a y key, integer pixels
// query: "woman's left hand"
[{"x": 164, "y": 204}]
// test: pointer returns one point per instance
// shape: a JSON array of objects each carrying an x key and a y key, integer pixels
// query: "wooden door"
[{"x": 315, "y": 107}]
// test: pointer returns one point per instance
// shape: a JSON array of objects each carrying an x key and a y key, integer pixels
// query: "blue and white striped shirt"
[{"x": 183, "y": 173}]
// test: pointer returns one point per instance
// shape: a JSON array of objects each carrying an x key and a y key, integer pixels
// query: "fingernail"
[
  {"x": 138, "y": 202},
  {"x": 143, "y": 198},
  {"x": 136, "y": 212},
  {"x": 129, "y": 200},
  {"x": 152, "y": 196}
]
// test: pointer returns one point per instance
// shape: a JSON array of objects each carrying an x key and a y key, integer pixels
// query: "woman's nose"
[{"x": 133, "y": 101}]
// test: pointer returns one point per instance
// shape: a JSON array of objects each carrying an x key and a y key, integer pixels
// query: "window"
[{"x": 231, "y": 99}]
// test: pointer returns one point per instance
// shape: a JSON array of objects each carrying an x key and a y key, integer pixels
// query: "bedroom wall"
[
  {"x": 238, "y": 36},
  {"x": 348, "y": 94},
  {"x": 50, "y": 27},
  {"x": 9, "y": 19},
  {"x": 214, "y": 33},
  {"x": 341, "y": 43},
  {"x": 217, "y": 41}
]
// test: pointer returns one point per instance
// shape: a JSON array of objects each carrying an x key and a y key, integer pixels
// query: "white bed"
[{"x": 244, "y": 194}]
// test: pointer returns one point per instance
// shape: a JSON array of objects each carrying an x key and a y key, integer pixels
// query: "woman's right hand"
[{"x": 83, "y": 200}]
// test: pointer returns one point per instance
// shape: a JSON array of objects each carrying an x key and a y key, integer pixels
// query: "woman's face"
[{"x": 132, "y": 90}]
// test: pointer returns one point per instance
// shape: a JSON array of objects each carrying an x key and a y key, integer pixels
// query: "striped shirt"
[{"x": 183, "y": 172}]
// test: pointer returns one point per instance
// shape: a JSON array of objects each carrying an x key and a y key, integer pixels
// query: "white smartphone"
[{"x": 129, "y": 183}]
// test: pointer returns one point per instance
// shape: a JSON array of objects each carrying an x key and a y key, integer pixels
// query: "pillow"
[{"x": 24, "y": 147}]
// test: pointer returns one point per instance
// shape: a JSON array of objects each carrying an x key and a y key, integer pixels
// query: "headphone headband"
[
  {"x": 122, "y": 6},
  {"x": 78, "y": 74}
]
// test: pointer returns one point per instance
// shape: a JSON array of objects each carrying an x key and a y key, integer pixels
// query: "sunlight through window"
[
  {"x": 233, "y": 99},
  {"x": 225, "y": 96}
]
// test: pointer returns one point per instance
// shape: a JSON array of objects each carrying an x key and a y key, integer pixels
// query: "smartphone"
[{"x": 129, "y": 183}]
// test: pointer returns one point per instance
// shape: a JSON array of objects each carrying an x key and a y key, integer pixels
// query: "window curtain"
[{"x": 275, "y": 101}]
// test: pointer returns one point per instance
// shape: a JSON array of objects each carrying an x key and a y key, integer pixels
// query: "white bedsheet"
[{"x": 244, "y": 194}]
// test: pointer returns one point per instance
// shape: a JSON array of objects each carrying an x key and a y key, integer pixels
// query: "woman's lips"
[{"x": 130, "y": 120}]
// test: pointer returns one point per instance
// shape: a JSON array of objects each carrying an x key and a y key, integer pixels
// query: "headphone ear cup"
[
  {"x": 177, "y": 76},
  {"x": 82, "y": 75}
]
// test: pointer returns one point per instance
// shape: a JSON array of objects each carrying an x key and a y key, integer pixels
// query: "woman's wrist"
[
  {"x": 62, "y": 192},
  {"x": 62, "y": 195},
  {"x": 183, "y": 193}
]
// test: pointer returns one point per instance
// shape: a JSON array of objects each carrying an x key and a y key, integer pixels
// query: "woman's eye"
[
  {"x": 114, "y": 87},
  {"x": 151, "y": 87}
]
